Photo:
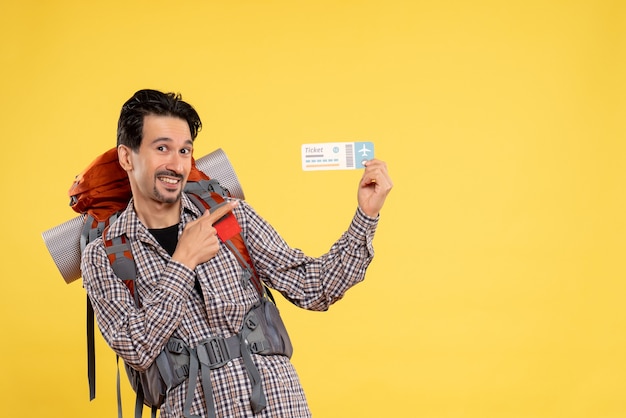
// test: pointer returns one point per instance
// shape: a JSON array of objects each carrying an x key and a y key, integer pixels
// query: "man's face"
[{"x": 159, "y": 170}]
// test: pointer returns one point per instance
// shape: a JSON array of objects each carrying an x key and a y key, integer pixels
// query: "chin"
[
  {"x": 172, "y": 200},
  {"x": 169, "y": 197}
]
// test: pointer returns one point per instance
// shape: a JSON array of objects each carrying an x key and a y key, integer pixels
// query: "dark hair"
[{"x": 153, "y": 102}]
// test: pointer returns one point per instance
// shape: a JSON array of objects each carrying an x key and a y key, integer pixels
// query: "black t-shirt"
[{"x": 167, "y": 237}]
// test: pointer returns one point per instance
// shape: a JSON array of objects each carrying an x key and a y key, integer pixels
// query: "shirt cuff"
[{"x": 363, "y": 227}]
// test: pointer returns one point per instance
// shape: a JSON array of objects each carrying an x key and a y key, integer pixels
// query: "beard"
[
  {"x": 166, "y": 199},
  {"x": 170, "y": 197}
]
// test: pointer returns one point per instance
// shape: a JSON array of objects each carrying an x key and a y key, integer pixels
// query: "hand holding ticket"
[
  {"x": 374, "y": 187},
  {"x": 336, "y": 155}
]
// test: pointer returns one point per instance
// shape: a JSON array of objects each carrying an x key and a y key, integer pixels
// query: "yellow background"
[{"x": 498, "y": 285}]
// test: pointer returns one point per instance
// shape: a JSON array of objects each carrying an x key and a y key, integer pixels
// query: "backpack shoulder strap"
[
  {"x": 120, "y": 257},
  {"x": 92, "y": 229},
  {"x": 122, "y": 262},
  {"x": 228, "y": 230}
]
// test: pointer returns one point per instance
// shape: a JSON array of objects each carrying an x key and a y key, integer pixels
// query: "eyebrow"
[{"x": 168, "y": 139}]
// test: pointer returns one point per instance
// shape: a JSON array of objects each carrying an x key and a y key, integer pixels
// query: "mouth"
[{"x": 170, "y": 182}]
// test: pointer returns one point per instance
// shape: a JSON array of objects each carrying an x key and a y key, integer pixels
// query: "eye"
[
  {"x": 161, "y": 148},
  {"x": 186, "y": 151}
]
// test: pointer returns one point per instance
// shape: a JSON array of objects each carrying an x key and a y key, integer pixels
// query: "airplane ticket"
[{"x": 336, "y": 155}]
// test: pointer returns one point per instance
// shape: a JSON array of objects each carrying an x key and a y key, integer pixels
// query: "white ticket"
[{"x": 336, "y": 155}]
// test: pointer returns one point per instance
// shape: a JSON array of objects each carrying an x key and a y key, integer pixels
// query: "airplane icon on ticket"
[{"x": 364, "y": 151}]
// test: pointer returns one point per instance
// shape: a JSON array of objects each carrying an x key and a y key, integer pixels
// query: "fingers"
[
  {"x": 216, "y": 214},
  {"x": 374, "y": 187},
  {"x": 376, "y": 174}
]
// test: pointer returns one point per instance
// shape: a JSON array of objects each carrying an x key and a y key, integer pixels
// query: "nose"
[{"x": 175, "y": 163}]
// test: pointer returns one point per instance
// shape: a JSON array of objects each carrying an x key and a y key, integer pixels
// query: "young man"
[{"x": 190, "y": 284}]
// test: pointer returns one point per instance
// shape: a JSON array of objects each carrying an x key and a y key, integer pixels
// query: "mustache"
[{"x": 169, "y": 173}]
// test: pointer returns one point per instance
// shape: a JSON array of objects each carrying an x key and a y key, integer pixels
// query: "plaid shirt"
[{"x": 172, "y": 307}]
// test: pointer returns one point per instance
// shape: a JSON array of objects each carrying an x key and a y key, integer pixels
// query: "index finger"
[{"x": 217, "y": 213}]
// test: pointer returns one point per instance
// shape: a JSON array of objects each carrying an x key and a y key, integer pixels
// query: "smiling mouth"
[{"x": 169, "y": 180}]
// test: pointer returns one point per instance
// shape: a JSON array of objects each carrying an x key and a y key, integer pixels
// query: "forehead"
[{"x": 157, "y": 127}]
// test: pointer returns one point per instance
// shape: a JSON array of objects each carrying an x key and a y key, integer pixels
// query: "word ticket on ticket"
[{"x": 336, "y": 155}]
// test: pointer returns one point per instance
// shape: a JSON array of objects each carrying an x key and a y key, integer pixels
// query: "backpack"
[
  {"x": 101, "y": 192},
  {"x": 150, "y": 385}
]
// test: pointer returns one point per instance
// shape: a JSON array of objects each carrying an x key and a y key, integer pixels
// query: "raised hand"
[
  {"x": 374, "y": 187},
  {"x": 199, "y": 241}
]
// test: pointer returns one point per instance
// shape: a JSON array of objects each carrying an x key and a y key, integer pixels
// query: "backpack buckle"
[
  {"x": 176, "y": 346},
  {"x": 214, "y": 352}
]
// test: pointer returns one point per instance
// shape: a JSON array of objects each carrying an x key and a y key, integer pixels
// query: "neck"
[{"x": 155, "y": 215}]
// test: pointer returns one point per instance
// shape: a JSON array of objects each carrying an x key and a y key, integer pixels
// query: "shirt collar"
[{"x": 128, "y": 222}]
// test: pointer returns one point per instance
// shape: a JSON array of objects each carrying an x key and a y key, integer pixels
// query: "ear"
[{"x": 124, "y": 157}]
